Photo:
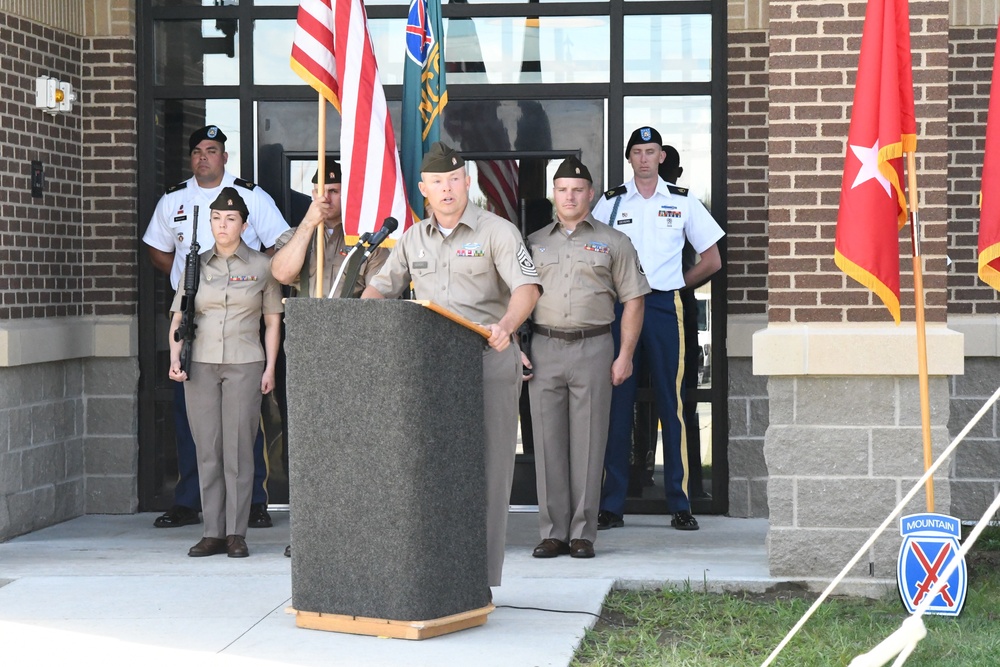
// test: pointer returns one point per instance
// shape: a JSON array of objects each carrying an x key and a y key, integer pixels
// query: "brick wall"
[
  {"x": 747, "y": 172},
  {"x": 71, "y": 252},
  {"x": 813, "y": 61},
  {"x": 110, "y": 188},
  {"x": 970, "y": 65},
  {"x": 40, "y": 238}
]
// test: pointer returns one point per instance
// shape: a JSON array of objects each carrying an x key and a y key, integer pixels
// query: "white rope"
[{"x": 889, "y": 519}]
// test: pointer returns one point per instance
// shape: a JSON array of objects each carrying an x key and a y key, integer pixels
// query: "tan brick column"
[{"x": 844, "y": 440}]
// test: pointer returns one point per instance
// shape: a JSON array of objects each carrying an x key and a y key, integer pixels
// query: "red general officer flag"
[
  {"x": 989, "y": 196},
  {"x": 883, "y": 127},
  {"x": 332, "y": 51}
]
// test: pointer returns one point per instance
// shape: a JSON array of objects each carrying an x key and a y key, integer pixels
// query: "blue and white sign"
[{"x": 930, "y": 544}]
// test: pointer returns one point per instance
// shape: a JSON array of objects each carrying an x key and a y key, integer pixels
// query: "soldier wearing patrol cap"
[
  {"x": 473, "y": 263},
  {"x": 657, "y": 216},
  {"x": 293, "y": 246},
  {"x": 585, "y": 267},
  {"x": 230, "y": 370},
  {"x": 168, "y": 240}
]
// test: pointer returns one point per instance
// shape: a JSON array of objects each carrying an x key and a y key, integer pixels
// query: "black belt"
[{"x": 571, "y": 335}]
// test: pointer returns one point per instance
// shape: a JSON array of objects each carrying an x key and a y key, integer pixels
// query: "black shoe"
[
  {"x": 606, "y": 519},
  {"x": 550, "y": 548},
  {"x": 684, "y": 521},
  {"x": 259, "y": 518},
  {"x": 176, "y": 516},
  {"x": 288, "y": 551}
]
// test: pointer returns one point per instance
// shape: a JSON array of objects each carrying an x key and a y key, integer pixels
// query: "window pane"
[
  {"x": 293, "y": 3},
  {"x": 175, "y": 120},
  {"x": 684, "y": 123},
  {"x": 668, "y": 48},
  {"x": 557, "y": 49},
  {"x": 272, "y": 49},
  {"x": 196, "y": 3},
  {"x": 482, "y": 50},
  {"x": 197, "y": 52}
]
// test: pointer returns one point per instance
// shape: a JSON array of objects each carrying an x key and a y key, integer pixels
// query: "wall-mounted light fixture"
[{"x": 53, "y": 95}]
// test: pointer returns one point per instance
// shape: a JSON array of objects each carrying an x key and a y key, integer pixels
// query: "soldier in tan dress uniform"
[
  {"x": 230, "y": 370},
  {"x": 293, "y": 246},
  {"x": 473, "y": 263},
  {"x": 585, "y": 267}
]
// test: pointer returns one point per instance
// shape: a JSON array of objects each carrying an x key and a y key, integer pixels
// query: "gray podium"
[{"x": 386, "y": 468}]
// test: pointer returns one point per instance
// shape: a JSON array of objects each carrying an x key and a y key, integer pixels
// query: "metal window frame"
[{"x": 615, "y": 91}]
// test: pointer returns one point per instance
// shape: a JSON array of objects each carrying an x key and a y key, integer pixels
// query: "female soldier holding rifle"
[{"x": 230, "y": 370}]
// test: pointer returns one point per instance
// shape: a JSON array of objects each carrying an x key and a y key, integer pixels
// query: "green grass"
[{"x": 686, "y": 627}]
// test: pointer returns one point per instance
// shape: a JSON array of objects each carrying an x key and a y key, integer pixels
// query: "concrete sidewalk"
[{"x": 116, "y": 589}]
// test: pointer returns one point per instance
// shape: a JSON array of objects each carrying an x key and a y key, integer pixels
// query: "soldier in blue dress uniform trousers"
[{"x": 658, "y": 217}]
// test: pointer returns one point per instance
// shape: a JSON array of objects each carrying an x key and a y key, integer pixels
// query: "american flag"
[
  {"x": 332, "y": 51},
  {"x": 498, "y": 181}
]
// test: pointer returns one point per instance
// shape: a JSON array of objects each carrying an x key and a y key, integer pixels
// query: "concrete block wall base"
[{"x": 841, "y": 452}]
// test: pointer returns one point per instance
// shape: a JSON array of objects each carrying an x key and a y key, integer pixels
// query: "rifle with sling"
[{"x": 192, "y": 276}]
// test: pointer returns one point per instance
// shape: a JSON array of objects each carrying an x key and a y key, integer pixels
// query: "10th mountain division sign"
[{"x": 930, "y": 544}]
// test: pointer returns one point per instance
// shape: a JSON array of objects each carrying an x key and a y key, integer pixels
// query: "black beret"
[
  {"x": 571, "y": 167},
  {"x": 332, "y": 171},
  {"x": 644, "y": 135},
  {"x": 441, "y": 158},
  {"x": 230, "y": 200},
  {"x": 212, "y": 132}
]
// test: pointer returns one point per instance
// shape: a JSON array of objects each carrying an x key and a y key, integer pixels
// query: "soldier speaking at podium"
[{"x": 473, "y": 263}]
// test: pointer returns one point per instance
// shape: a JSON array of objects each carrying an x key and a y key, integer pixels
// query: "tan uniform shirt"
[
  {"x": 334, "y": 255},
  {"x": 584, "y": 274},
  {"x": 471, "y": 272},
  {"x": 232, "y": 295}
]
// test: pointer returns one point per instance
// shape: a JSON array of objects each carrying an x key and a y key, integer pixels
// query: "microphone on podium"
[
  {"x": 362, "y": 240},
  {"x": 388, "y": 227}
]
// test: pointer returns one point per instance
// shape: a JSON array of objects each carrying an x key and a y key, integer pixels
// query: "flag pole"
[
  {"x": 918, "y": 299},
  {"x": 321, "y": 189}
]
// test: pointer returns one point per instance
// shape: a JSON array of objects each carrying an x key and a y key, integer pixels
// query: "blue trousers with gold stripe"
[{"x": 661, "y": 346}]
